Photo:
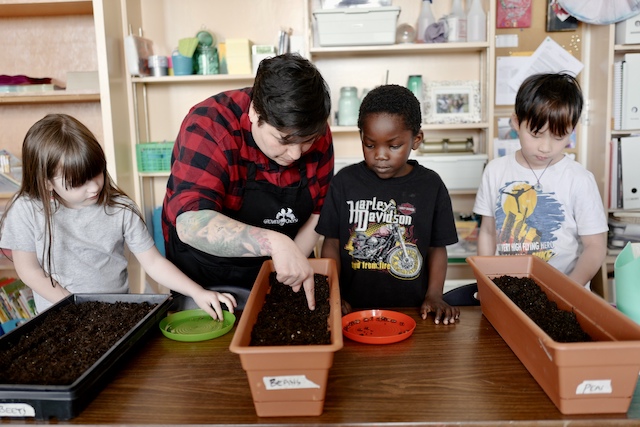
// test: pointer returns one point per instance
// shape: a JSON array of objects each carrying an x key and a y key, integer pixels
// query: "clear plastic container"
[
  {"x": 476, "y": 22},
  {"x": 457, "y": 23},
  {"x": 425, "y": 19}
]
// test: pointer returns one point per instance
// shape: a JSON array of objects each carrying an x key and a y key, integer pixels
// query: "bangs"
[
  {"x": 81, "y": 163},
  {"x": 560, "y": 117}
]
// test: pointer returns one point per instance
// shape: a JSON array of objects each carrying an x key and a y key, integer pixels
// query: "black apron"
[{"x": 264, "y": 205}]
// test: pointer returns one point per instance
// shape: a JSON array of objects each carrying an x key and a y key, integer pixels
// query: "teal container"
[
  {"x": 158, "y": 238},
  {"x": 182, "y": 65},
  {"x": 627, "y": 278},
  {"x": 206, "y": 60},
  {"x": 414, "y": 84}
]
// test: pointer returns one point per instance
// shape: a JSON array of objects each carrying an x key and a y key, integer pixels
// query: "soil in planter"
[
  {"x": 560, "y": 325},
  {"x": 285, "y": 318},
  {"x": 68, "y": 342}
]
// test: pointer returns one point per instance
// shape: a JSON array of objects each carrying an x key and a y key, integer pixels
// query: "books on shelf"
[
  {"x": 10, "y": 172},
  {"x": 28, "y": 88},
  {"x": 16, "y": 300}
]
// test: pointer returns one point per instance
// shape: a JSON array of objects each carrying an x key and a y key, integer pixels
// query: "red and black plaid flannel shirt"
[{"x": 210, "y": 157}]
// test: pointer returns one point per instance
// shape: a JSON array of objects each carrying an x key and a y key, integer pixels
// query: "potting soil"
[
  {"x": 285, "y": 318},
  {"x": 70, "y": 340},
  {"x": 560, "y": 325}
]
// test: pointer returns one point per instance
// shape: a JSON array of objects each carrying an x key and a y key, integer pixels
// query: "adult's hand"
[
  {"x": 293, "y": 268},
  {"x": 220, "y": 235}
]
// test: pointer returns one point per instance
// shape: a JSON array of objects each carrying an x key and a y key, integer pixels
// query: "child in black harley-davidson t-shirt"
[{"x": 386, "y": 221}]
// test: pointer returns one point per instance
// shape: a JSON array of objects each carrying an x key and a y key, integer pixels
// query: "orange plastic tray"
[{"x": 377, "y": 326}]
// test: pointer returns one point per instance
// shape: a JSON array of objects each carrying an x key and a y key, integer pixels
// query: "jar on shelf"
[
  {"x": 414, "y": 84},
  {"x": 206, "y": 60},
  {"x": 348, "y": 106}
]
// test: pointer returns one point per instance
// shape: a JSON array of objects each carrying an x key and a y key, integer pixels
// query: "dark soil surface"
[
  {"x": 560, "y": 325},
  {"x": 68, "y": 342},
  {"x": 285, "y": 318}
]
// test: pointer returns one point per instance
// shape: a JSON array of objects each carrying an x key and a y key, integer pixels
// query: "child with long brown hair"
[{"x": 68, "y": 224}]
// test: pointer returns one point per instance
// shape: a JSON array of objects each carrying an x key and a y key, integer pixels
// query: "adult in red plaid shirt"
[{"x": 249, "y": 173}]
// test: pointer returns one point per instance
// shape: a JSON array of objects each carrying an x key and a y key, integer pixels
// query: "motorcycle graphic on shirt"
[{"x": 384, "y": 243}]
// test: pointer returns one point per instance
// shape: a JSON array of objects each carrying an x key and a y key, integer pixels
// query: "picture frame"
[
  {"x": 558, "y": 19},
  {"x": 452, "y": 102}
]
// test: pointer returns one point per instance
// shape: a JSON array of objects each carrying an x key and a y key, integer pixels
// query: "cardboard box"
[
  {"x": 83, "y": 80},
  {"x": 357, "y": 26},
  {"x": 628, "y": 31},
  {"x": 592, "y": 377}
]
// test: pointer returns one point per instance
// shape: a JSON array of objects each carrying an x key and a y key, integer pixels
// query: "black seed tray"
[{"x": 64, "y": 402}]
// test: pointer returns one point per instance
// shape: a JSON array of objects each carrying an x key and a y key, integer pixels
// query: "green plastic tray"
[{"x": 195, "y": 325}]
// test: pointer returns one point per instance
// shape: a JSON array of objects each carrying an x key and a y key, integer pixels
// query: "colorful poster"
[{"x": 513, "y": 14}]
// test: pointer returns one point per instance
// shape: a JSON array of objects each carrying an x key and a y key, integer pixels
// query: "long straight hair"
[{"x": 59, "y": 145}]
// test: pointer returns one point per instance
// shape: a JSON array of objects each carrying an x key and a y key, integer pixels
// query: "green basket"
[{"x": 154, "y": 156}]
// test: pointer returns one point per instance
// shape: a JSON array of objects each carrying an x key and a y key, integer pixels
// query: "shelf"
[
  {"x": 154, "y": 174},
  {"x": 398, "y": 49},
  {"x": 426, "y": 127},
  {"x": 633, "y": 212},
  {"x": 626, "y": 47},
  {"x": 55, "y": 96},
  {"x": 195, "y": 78},
  {"x": 12, "y": 9},
  {"x": 625, "y": 132}
]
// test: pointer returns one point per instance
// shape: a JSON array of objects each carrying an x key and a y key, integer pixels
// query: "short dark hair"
[
  {"x": 290, "y": 94},
  {"x": 554, "y": 98},
  {"x": 392, "y": 99}
]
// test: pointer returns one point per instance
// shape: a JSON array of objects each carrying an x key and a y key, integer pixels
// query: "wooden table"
[{"x": 442, "y": 375}]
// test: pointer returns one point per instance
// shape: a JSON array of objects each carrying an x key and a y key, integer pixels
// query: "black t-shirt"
[{"x": 385, "y": 228}]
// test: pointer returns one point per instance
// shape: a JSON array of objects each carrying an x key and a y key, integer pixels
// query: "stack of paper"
[
  {"x": 617, "y": 95},
  {"x": 622, "y": 230}
]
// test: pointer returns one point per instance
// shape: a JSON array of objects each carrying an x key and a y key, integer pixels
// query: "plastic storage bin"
[
  {"x": 458, "y": 172},
  {"x": 357, "y": 26},
  {"x": 154, "y": 156}
]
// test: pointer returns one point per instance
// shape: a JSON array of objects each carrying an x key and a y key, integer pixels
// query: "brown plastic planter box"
[
  {"x": 288, "y": 380},
  {"x": 580, "y": 378}
]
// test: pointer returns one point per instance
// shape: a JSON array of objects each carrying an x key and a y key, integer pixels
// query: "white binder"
[
  {"x": 631, "y": 92},
  {"x": 630, "y": 153}
]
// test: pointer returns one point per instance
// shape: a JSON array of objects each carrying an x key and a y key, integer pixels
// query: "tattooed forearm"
[{"x": 217, "y": 234}]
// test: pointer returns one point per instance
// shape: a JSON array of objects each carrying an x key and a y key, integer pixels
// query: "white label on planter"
[
  {"x": 594, "y": 387},
  {"x": 16, "y": 410},
  {"x": 286, "y": 382}
]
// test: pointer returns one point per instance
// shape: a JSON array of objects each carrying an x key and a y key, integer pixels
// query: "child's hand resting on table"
[{"x": 440, "y": 309}]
